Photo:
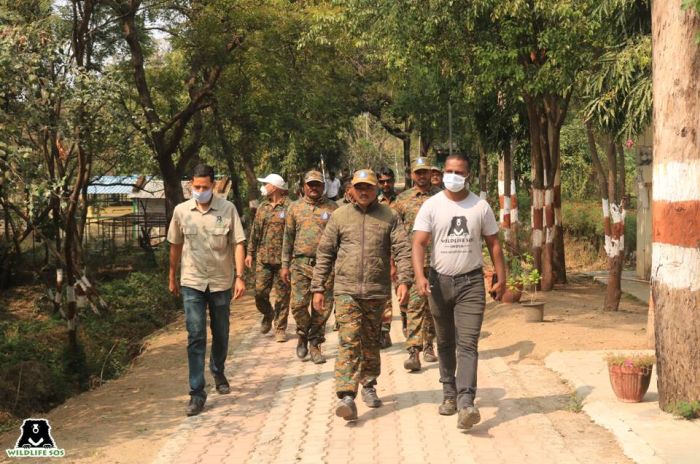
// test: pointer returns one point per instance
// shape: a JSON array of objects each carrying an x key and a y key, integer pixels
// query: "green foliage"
[
  {"x": 617, "y": 93},
  {"x": 630, "y": 360},
  {"x": 695, "y": 4},
  {"x": 584, "y": 220},
  {"x": 686, "y": 409},
  {"x": 108, "y": 342},
  {"x": 522, "y": 273},
  {"x": 577, "y": 182}
]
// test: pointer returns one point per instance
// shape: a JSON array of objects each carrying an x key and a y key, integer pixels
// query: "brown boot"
[
  {"x": 385, "y": 340},
  {"x": 413, "y": 362},
  {"x": 429, "y": 354},
  {"x": 315, "y": 354},
  {"x": 280, "y": 335}
]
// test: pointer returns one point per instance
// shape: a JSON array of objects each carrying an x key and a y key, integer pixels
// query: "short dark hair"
[
  {"x": 203, "y": 170},
  {"x": 346, "y": 186},
  {"x": 385, "y": 171},
  {"x": 458, "y": 157}
]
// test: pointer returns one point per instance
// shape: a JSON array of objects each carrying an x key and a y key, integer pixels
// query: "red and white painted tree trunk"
[
  {"x": 508, "y": 203},
  {"x": 676, "y": 201},
  {"x": 614, "y": 226}
]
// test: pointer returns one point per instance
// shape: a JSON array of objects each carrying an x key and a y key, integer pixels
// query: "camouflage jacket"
[
  {"x": 388, "y": 200},
  {"x": 304, "y": 227},
  {"x": 265, "y": 243},
  {"x": 408, "y": 204},
  {"x": 361, "y": 244}
]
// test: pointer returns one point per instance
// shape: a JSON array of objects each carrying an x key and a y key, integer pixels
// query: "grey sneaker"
[
  {"x": 468, "y": 417},
  {"x": 369, "y": 396},
  {"x": 448, "y": 407},
  {"x": 346, "y": 409}
]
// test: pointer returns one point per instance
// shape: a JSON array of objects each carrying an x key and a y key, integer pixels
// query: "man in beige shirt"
[{"x": 205, "y": 235}]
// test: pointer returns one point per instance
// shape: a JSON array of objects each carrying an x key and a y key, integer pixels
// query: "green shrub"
[
  {"x": 686, "y": 409},
  {"x": 35, "y": 356}
]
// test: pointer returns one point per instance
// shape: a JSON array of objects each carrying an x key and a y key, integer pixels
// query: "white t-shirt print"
[{"x": 456, "y": 228}]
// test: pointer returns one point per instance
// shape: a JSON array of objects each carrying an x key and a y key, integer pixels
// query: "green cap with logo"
[
  {"x": 420, "y": 163},
  {"x": 314, "y": 176}
]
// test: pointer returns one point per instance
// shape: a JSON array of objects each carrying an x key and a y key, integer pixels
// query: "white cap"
[{"x": 274, "y": 179}]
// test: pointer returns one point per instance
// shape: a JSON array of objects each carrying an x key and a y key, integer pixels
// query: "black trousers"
[{"x": 457, "y": 305}]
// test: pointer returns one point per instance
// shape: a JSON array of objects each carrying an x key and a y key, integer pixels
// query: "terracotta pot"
[
  {"x": 534, "y": 311},
  {"x": 512, "y": 296},
  {"x": 629, "y": 383}
]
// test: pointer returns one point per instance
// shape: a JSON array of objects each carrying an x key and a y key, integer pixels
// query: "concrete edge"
[{"x": 601, "y": 412}]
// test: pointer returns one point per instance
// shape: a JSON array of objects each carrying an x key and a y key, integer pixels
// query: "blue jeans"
[{"x": 195, "y": 303}]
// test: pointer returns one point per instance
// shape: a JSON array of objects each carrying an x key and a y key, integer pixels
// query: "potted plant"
[
  {"x": 534, "y": 309},
  {"x": 630, "y": 375},
  {"x": 514, "y": 282}
]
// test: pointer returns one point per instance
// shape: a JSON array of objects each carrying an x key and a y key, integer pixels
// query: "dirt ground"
[{"x": 128, "y": 419}]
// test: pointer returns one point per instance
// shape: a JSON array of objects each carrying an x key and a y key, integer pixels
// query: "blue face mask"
[{"x": 202, "y": 197}]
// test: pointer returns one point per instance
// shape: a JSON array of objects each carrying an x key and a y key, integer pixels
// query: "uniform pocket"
[
  {"x": 218, "y": 239},
  {"x": 191, "y": 236}
]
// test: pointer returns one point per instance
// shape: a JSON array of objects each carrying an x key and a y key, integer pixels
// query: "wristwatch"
[{"x": 239, "y": 276}]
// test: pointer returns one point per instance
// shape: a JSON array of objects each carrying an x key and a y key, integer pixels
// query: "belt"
[
  {"x": 311, "y": 260},
  {"x": 472, "y": 273}
]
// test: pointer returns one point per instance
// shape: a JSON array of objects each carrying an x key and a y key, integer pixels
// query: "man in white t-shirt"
[
  {"x": 456, "y": 220},
  {"x": 332, "y": 186}
]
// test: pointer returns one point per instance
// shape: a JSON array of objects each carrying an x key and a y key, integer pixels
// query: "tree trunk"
[
  {"x": 676, "y": 201},
  {"x": 537, "y": 193},
  {"x": 613, "y": 219},
  {"x": 507, "y": 199},
  {"x": 483, "y": 172},
  {"x": 407, "y": 161}
]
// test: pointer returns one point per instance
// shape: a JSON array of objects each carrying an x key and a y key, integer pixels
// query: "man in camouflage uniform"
[
  {"x": 306, "y": 219},
  {"x": 360, "y": 239},
  {"x": 265, "y": 248},
  {"x": 421, "y": 329},
  {"x": 387, "y": 196},
  {"x": 436, "y": 177}
]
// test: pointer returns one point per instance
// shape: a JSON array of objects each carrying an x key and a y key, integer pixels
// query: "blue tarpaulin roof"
[{"x": 112, "y": 185}]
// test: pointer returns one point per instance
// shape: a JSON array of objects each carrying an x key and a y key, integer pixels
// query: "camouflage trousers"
[
  {"x": 267, "y": 277},
  {"x": 358, "y": 360},
  {"x": 421, "y": 327},
  {"x": 310, "y": 323}
]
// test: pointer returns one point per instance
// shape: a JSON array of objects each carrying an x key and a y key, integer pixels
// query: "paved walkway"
[
  {"x": 629, "y": 283},
  {"x": 281, "y": 410},
  {"x": 646, "y": 433}
]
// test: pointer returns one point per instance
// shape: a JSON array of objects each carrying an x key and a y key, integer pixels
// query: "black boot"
[
  {"x": 302, "y": 347},
  {"x": 196, "y": 404}
]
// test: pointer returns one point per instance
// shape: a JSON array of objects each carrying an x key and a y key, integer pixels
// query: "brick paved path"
[{"x": 281, "y": 410}]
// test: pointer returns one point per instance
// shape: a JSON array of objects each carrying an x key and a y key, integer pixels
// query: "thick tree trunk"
[
  {"x": 676, "y": 201},
  {"x": 406, "y": 141},
  {"x": 537, "y": 193}
]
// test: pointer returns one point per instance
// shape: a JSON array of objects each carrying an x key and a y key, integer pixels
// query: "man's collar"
[
  {"x": 320, "y": 200},
  {"x": 369, "y": 208}
]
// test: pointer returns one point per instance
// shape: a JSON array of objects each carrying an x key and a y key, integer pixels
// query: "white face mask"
[
  {"x": 202, "y": 197},
  {"x": 263, "y": 190},
  {"x": 454, "y": 182}
]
